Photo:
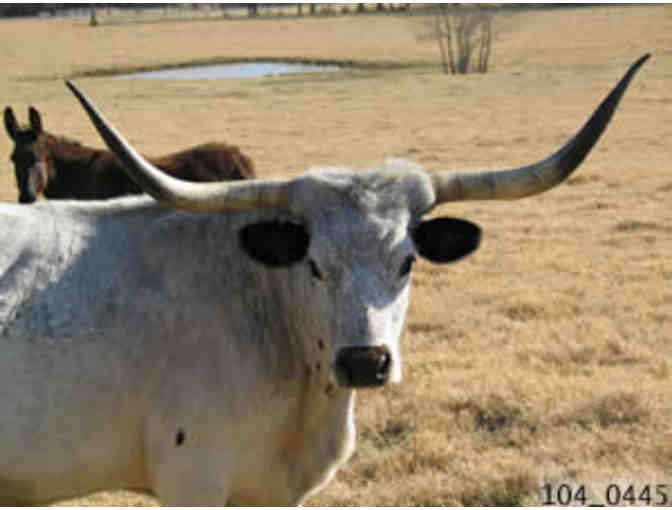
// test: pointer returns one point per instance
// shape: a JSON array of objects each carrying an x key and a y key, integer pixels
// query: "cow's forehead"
[
  {"x": 363, "y": 213},
  {"x": 396, "y": 188}
]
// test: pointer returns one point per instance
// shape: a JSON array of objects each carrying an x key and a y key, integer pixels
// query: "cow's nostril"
[
  {"x": 383, "y": 369},
  {"x": 359, "y": 367}
]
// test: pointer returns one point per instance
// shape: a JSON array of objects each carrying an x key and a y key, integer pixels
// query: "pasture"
[{"x": 545, "y": 357}]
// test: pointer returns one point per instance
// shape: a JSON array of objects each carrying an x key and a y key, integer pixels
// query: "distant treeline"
[
  {"x": 8, "y": 10},
  {"x": 53, "y": 9}
]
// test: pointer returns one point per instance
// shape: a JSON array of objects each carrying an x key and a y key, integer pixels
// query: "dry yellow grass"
[{"x": 546, "y": 356}]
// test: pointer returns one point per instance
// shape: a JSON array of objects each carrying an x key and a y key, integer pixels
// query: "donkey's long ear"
[
  {"x": 444, "y": 240},
  {"x": 35, "y": 119},
  {"x": 10, "y": 123}
]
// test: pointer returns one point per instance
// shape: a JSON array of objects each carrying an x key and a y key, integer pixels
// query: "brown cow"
[{"x": 58, "y": 167}]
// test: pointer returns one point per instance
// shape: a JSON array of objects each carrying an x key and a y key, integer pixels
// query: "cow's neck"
[
  {"x": 319, "y": 426},
  {"x": 321, "y": 437}
]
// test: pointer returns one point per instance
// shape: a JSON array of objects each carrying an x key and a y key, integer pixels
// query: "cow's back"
[
  {"x": 33, "y": 253},
  {"x": 66, "y": 388},
  {"x": 57, "y": 249}
]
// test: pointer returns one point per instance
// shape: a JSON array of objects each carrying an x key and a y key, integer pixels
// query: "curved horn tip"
[
  {"x": 541, "y": 176},
  {"x": 73, "y": 88},
  {"x": 643, "y": 58},
  {"x": 634, "y": 67},
  {"x": 77, "y": 93}
]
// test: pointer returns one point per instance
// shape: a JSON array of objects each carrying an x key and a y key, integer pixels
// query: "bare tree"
[
  {"x": 93, "y": 20},
  {"x": 463, "y": 32}
]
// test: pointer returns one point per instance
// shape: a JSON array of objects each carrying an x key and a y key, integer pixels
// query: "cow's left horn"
[
  {"x": 199, "y": 197},
  {"x": 533, "y": 179}
]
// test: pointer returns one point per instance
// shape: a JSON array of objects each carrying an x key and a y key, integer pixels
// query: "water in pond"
[{"x": 241, "y": 70}]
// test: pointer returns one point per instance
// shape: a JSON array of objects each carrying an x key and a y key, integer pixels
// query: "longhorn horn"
[
  {"x": 533, "y": 179},
  {"x": 191, "y": 196}
]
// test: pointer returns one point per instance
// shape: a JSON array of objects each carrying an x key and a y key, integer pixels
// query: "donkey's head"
[{"x": 31, "y": 158}]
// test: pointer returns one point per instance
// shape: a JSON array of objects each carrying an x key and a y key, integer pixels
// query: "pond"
[{"x": 238, "y": 70}]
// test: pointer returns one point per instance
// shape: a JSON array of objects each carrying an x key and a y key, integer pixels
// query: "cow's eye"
[
  {"x": 314, "y": 270},
  {"x": 406, "y": 266}
]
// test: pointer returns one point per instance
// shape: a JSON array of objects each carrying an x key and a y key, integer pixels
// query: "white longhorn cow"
[{"x": 206, "y": 347}]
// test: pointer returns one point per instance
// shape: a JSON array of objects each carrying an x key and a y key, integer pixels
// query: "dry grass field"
[{"x": 546, "y": 357}]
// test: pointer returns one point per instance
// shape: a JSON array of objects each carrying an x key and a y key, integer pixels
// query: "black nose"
[
  {"x": 361, "y": 367},
  {"x": 26, "y": 199}
]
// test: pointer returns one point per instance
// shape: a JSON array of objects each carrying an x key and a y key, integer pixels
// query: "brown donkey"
[{"x": 58, "y": 167}]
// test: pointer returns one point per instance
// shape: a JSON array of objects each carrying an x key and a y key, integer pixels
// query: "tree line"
[{"x": 37, "y": 9}]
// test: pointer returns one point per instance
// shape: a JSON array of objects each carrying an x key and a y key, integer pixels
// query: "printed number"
[
  {"x": 615, "y": 496},
  {"x": 563, "y": 495},
  {"x": 662, "y": 492},
  {"x": 645, "y": 495},
  {"x": 629, "y": 495}
]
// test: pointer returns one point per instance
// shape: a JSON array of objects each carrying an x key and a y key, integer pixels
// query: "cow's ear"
[
  {"x": 10, "y": 123},
  {"x": 35, "y": 119},
  {"x": 444, "y": 240},
  {"x": 275, "y": 243}
]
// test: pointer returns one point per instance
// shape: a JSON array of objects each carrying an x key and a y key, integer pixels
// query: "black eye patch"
[
  {"x": 275, "y": 243},
  {"x": 443, "y": 240}
]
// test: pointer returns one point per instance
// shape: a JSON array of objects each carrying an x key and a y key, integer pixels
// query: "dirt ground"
[{"x": 543, "y": 359}]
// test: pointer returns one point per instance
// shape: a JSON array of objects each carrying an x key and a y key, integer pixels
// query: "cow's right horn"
[
  {"x": 533, "y": 179},
  {"x": 191, "y": 196}
]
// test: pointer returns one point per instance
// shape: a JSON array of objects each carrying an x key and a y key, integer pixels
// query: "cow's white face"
[
  {"x": 353, "y": 246},
  {"x": 359, "y": 267}
]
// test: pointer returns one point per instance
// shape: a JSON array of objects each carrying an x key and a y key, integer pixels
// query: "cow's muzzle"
[{"x": 361, "y": 367}]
